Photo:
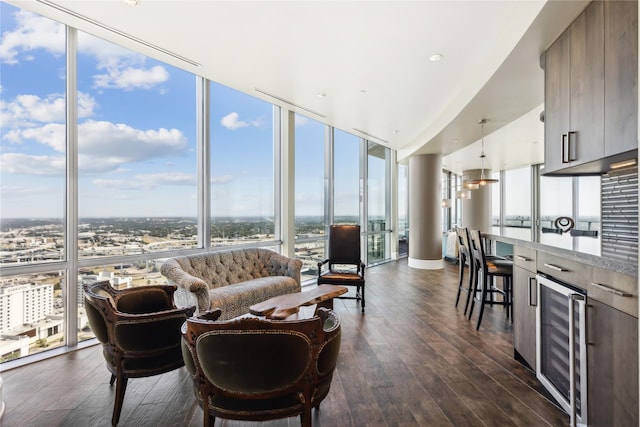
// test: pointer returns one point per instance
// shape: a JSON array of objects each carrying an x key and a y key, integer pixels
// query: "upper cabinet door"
[
  {"x": 556, "y": 108},
  {"x": 621, "y": 76},
  {"x": 586, "y": 137}
]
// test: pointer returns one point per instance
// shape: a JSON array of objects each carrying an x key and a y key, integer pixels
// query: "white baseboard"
[{"x": 425, "y": 264}]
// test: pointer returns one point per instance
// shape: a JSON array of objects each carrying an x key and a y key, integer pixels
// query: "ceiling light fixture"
[
  {"x": 131, "y": 2},
  {"x": 435, "y": 57},
  {"x": 483, "y": 180}
]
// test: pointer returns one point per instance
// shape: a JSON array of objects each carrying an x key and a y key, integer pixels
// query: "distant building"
[{"x": 24, "y": 303}]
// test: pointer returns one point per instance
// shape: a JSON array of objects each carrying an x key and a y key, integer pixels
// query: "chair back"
[
  {"x": 344, "y": 244},
  {"x": 463, "y": 244},
  {"x": 477, "y": 248},
  {"x": 138, "y": 322},
  {"x": 277, "y": 368}
]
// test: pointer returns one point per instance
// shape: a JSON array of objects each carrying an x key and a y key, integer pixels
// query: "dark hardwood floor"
[{"x": 412, "y": 359}]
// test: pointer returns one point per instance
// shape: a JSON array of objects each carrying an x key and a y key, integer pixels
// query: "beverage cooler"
[{"x": 561, "y": 364}]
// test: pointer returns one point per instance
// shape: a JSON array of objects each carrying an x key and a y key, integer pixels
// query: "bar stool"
[
  {"x": 488, "y": 269},
  {"x": 464, "y": 260}
]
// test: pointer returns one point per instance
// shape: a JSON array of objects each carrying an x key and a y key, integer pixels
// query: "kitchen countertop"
[{"x": 618, "y": 266}]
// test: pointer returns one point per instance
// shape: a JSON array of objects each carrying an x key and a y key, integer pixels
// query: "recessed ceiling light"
[
  {"x": 131, "y": 2},
  {"x": 321, "y": 95},
  {"x": 435, "y": 57},
  {"x": 363, "y": 91},
  {"x": 396, "y": 131}
]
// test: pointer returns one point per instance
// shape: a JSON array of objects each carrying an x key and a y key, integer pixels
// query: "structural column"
[
  {"x": 425, "y": 211},
  {"x": 476, "y": 211}
]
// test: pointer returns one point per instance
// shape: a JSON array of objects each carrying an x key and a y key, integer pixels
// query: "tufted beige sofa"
[{"x": 232, "y": 280}]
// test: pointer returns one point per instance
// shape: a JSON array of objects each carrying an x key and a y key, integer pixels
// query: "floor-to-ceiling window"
[
  {"x": 378, "y": 227},
  {"x": 517, "y": 203},
  {"x": 403, "y": 210},
  {"x": 33, "y": 179},
  {"x": 346, "y": 178},
  {"x": 242, "y": 168},
  {"x": 118, "y": 161},
  {"x": 310, "y": 221}
]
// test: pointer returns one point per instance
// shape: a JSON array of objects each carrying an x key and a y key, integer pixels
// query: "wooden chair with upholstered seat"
[
  {"x": 345, "y": 262},
  {"x": 254, "y": 369},
  {"x": 464, "y": 261},
  {"x": 139, "y": 329},
  {"x": 486, "y": 270}
]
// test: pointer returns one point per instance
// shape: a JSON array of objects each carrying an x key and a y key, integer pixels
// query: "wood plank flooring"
[{"x": 412, "y": 359}]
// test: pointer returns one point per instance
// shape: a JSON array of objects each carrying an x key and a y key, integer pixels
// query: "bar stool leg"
[{"x": 461, "y": 276}]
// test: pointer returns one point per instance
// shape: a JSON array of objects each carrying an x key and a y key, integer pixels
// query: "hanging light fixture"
[{"x": 482, "y": 180}]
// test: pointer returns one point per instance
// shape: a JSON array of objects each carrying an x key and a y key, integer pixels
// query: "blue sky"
[{"x": 137, "y": 135}]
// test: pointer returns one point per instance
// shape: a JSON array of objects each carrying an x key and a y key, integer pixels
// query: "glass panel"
[
  {"x": 376, "y": 186},
  {"x": 242, "y": 168},
  {"x": 377, "y": 248},
  {"x": 32, "y": 138},
  {"x": 346, "y": 170},
  {"x": 31, "y": 314},
  {"x": 495, "y": 204},
  {"x": 517, "y": 199},
  {"x": 588, "y": 223},
  {"x": 457, "y": 216},
  {"x": 376, "y": 245},
  {"x": 310, "y": 253},
  {"x": 136, "y": 152},
  {"x": 556, "y": 200},
  {"x": 403, "y": 210},
  {"x": 310, "y": 194}
]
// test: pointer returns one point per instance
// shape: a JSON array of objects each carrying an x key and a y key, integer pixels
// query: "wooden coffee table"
[{"x": 283, "y": 306}]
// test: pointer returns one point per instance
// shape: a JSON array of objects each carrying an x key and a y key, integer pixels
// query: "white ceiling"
[{"x": 369, "y": 58}]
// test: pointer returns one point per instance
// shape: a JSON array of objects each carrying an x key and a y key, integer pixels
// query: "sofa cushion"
[{"x": 237, "y": 298}]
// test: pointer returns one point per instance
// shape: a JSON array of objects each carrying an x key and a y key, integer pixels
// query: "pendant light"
[{"x": 483, "y": 180}]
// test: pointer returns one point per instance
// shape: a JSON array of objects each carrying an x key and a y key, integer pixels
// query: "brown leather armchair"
[
  {"x": 139, "y": 329},
  {"x": 345, "y": 264},
  {"x": 256, "y": 370}
]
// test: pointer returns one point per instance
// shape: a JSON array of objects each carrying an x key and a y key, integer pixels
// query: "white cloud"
[
  {"x": 19, "y": 192},
  {"x": 123, "y": 69},
  {"x": 28, "y": 110},
  {"x": 221, "y": 179},
  {"x": 32, "y": 32},
  {"x": 17, "y": 163},
  {"x": 103, "y": 146},
  {"x": 119, "y": 143},
  {"x": 148, "y": 181},
  {"x": 301, "y": 120},
  {"x": 132, "y": 78},
  {"x": 232, "y": 121}
]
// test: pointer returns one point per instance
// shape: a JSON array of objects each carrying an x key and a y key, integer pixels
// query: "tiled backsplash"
[{"x": 620, "y": 215}]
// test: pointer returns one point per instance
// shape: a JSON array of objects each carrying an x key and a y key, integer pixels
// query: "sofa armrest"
[
  {"x": 183, "y": 280},
  {"x": 285, "y": 266}
]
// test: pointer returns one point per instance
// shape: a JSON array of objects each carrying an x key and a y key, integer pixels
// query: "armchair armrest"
[
  {"x": 177, "y": 276},
  {"x": 284, "y": 266},
  {"x": 320, "y": 264}
]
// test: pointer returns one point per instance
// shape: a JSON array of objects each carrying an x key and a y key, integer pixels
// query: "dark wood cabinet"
[
  {"x": 621, "y": 76},
  {"x": 591, "y": 91},
  {"x": 612, "y": 363}
]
